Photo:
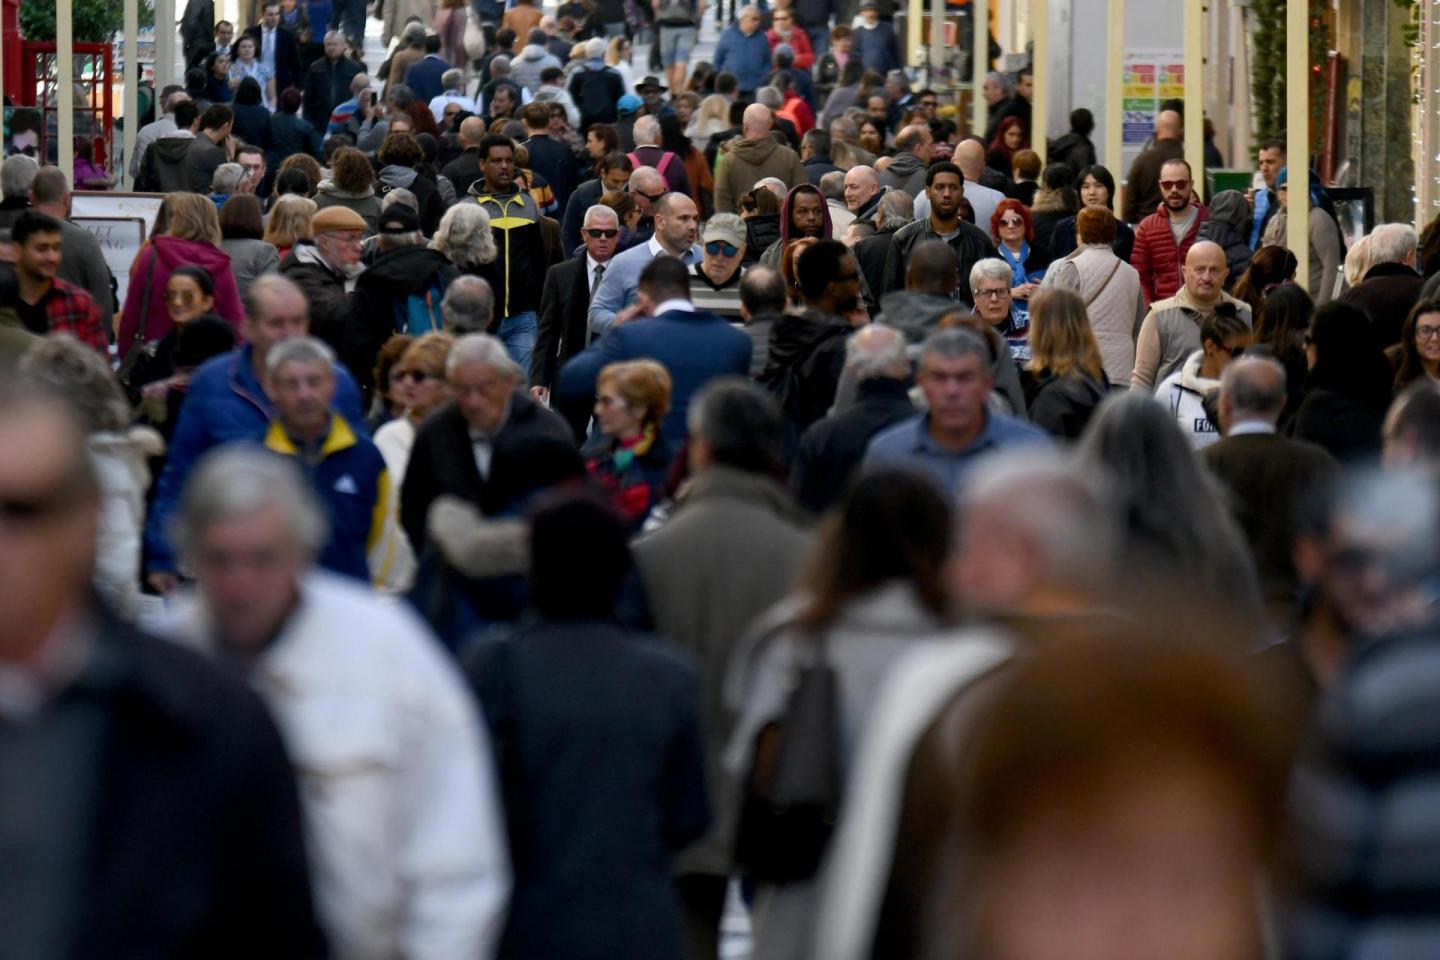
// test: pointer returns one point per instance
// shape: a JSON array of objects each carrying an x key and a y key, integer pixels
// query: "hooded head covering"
[
  {"x": 1317, "y": 192},
  {"x": 1229, "y": 206},
  {"x": 785, "y": 228}
]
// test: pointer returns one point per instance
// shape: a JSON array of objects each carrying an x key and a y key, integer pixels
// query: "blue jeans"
[{"x": 517, "y": 331}]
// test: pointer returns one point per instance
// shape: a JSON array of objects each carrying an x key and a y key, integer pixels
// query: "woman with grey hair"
[
  {"x": 119, "y": 453},
  {"x": 464, "y": 236}
]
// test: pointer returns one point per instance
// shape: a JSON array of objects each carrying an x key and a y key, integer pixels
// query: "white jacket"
[
  {"x": 1184, "y": 391},
  {"x": 406, "y": 829},
  {"x": 121, "y": 462}
]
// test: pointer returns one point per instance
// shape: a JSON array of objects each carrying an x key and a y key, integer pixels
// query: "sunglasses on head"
[
  {"x": 721, "y": 248},
  {"x": 601, "y": 234}
]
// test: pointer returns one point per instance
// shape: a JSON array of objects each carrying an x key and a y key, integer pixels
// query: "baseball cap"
[
  {"x": 727, "y": 227},
  {"x": 400, "y": 218}
]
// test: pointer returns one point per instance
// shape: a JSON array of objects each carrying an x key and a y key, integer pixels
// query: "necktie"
[{"x": 594, "y": 285}]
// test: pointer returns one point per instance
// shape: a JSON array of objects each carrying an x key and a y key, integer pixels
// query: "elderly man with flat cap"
[{"x": 325, "y": 268}]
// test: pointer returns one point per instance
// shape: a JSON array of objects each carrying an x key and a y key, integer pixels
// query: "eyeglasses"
[
  {"x": 1427, "y": 333},
  {"x": 601, "y": 234},
  {"x": 1012, "y": 222},
  {"x": 719, "y": 248},
  {"x": 990, "y": 294},
  {"x": 1174, "y": 184},
  {"x": 414, "y": 376}
]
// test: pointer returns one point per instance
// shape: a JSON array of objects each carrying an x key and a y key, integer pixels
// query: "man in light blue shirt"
[
  {"x": 958, "y": 428},
  {"x": 677, "y": 224}
]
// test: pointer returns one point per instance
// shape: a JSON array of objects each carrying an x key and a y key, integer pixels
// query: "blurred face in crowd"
[
  {"x": 499, "y": 168},
  {"x": 1093, "y": 193},
  {"x": 401, "y": 124},
  {"x": 877, "y": 108},
  {"x": 1014, "y": 137},
  {"x": 502, "y": 103},
  {"x": 1349, "y": 569},
  {"x": 602, "y": 235},
  {"x": 221, "y": 67},
  {"x": 992, "y": 300},
  {"x": 945, "y": 193},
  {"x": 684, "y": 110},
  {"x": 1175, "y": 187},
  {"x": 271, "y": 16},
  {"x": 245, "y": 49},
  {"x": 1271, "y": 160},
  {"x": 38, "y": 258},
  {"x": 49, "y": 518},
  {"x": 342, "y": 247},
  {"x": 679, "y": 225},
  {"x": 872, "y": 136},
  {"x": 615, "y": 178},
  {"x": 247, "y": 567},
  {"x": 482, "y": 394},
  {"x": 302, "y": 391},
  {"x": 1218, "y": 356},
  {"x": 254, "y": 164},
  {"x": 1012, "y": 229},
  {"x": 425, "y": 390},
  {"x": 994, "y": 93},
  {"x": 1427, "y": 340},
  {"x": 784, "y": 22},
  {"x": 722, "y": 259},
  {"x": 617, "y": 418},
  {"x": 224, "y": 34},
  {"x": 928, "y": 105},
  {"x": 807, "y": 214},
  {"x": 1026, "y": 86},
  {"x": 334, "y": 46},
  {"x": 749, "y": 22},
  {"x": 282, "y": 315},
  {"x": 1205, "y": 271},
  {"x": 594, "y": 145},
  {"x": 955, "y": 391},
  {"x": 647, "y": 192},
  {"x": 185, "y": 300}
]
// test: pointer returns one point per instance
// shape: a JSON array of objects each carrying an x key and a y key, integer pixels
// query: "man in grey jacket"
[{"x": 81, "y": 261}]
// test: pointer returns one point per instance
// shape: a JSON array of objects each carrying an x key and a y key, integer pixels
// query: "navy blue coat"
[
  {"x": 423, "y": 77},
  {"x": 597, "y": 740},
  {"x": 746, "y": 57},
  {"x": 695, "y": 347},
  {"x": 878, "y": 48}
]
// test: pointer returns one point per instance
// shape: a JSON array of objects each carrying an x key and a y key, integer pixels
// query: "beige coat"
[
  {"x": 1113, "y": 299},
  {"x": 1170, "y": 333},
  {"x": 1326, "y": 260}
]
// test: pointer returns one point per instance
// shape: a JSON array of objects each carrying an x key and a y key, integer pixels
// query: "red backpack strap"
[{"x": 664, "y": 162}]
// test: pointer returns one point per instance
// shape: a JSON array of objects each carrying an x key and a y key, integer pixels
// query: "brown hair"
[
  {"x": 240, "y": 218},
  {"x": 303, "y": 161},
  {"x": 391, "y": 351},
  {"x": 643, "y": 383},
  {"x": 1061, "y": 340},
  {"x": 1095, "y": 225},
  {"x": 193, "y": 217},
  {"x": 621, "y": 202},
  {"x": 289, "y": 221},
  {"x": 351, "y": 171},
  {"x": 1026, "y": 164},
  {"x": 401, "y": 149}
]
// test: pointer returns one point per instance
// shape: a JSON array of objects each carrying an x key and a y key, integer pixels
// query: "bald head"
[
  {"x": 1205, "y": 271},
  {"x": 1169, "y": 125},
  {"x": 1251, "y": 388},
  {"x": 877, "y": 350},
  {"x": 861, "y": 185},
  {"x": 969, "y": 156},
  {"x": 757, "y": 122},
  {"x": 472, "y": 131}
]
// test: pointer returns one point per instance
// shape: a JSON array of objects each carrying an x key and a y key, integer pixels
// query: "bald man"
[
  {"x": 1142, "y": 190},
  {"x": 862, "y": 191},
  {"x": 1266, "y": 474},
  {"x": 752, "y": 158},
  {"x": 1171, "y": 330},
  {"x": 464, "y": 170},
  {"x": 1163, "y": 239}
]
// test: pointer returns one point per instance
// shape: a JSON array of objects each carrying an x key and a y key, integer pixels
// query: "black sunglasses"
[
  {"x": 652, "y": 197},
  {"x": 721, "y": 248},
  {"x": 599, "y": 234}
]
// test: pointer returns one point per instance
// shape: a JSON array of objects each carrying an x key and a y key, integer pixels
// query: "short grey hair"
[
  {"x": 500, "y": 66},
  {"x": 595, "y": 49},
  {"x": 482, "y": 348},
  {"x": 468, "y": 305},
  {"x": 339, "y": 34},
  {"x": 775, "y": 185},
  {"x": 82, "y": 378},
  {"x": 239, "y": 480},
  {"x": 880, "y": 352},
  {"x": 1254, "y": 385},
  {"x": 832, "y": 185},
  {"x": 956, "y": 342},
  {"x": 226, "y": 178},
  {"x": 646, "y": 131},
  {"x": 17, "y": 173},
  {"x": 1391, "y": 243},
  {"x": 299, "y": 350},
  {"x": 599, "y": 210},
  {"x": 464, "y": 236},
  {"x": 413, "y": 33},
  {"x": 452, "y": 80},
  {"x": 770, "y": 97},
  {"x": 1001, "y": 80},
  {"x": 991, "y": 268},
  {"x": 642, "y": 175},
  {"x": 399, "y": 195},
  {"x": 895, "y": 209},
  {"x": 844, "y": 130}
]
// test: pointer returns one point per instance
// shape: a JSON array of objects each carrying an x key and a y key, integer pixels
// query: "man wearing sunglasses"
[
  {"x": 1164, "y": 238},
  {"x": 715, "y": 280},
  {"x": 677, "y": 224}
]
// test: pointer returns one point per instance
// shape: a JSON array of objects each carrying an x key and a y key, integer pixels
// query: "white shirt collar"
[
  {"x": 678, "y": 303},
  {"x": 1251, "y": 428},
  {"x": 654, "y": 247}
]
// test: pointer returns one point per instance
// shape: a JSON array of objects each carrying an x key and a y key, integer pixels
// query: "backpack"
[
  {"x": 675, "y": 12},
  {"x": 660, "y": 167},
  {"x": 419, "y": 312}
]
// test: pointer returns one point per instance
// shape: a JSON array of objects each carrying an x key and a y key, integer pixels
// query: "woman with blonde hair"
[
  {"x": 1065, "y": 379},
  {"x": 1358, "y": 261},
  {"x": 617, "y": 55},
  {"x": 289, "y": 222},
  {"x": 630, "y": 461},
  {"x": 192, "y": 236},
  {"x": 712, "y": 117}
]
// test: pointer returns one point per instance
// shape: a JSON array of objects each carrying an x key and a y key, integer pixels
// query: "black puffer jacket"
[
  {"x": 807, "y": 356},
  {"x": 1061, "y": 406}
]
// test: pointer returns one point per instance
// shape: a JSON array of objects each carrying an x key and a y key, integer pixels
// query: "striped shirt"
[{"x": 722, "y": 300}]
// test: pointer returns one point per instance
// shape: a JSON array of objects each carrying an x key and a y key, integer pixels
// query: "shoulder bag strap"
[
  {"x": 145, "y": 297},
  {"x": 1108, "y": 277}
]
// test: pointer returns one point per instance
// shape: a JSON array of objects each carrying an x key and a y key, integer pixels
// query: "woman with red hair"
[
  {"x": 1011, "y": 136},
  {"x": 1014, "y": 234}
]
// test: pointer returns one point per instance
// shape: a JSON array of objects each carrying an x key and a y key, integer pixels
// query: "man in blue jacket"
[
  {"x": 226, "y": 403},
  {"x": 744, "y": 51},
  {"x": 695, "y": 346}
]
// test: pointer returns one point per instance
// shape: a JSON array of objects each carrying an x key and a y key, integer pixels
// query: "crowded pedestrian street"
[{"x": 688, "y": 480}]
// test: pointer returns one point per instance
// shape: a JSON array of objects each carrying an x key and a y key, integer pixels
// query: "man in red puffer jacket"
[{"x": 1164, "y": 238}]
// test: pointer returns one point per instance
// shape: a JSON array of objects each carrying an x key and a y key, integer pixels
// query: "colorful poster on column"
[{"x": 1151, "y": 76}]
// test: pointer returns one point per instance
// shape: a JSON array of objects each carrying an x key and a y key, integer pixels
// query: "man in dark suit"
[
  {"x": 475, "y": 448},
  {"x": 563, "y": 331},
  {"x": 695, "y": 346},
  {"x": 1268, "y": 476},
  {"x": 277, "y": 47},
  {"x": 832, "y": 448},
  {"x": 107, "y": 739},
  {"x": 327, "y": 82}
]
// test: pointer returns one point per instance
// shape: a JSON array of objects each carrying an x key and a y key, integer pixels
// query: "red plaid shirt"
[{"x": 69, "y": 309}]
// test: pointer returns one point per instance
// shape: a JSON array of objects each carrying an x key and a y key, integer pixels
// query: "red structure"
[{"x": 10, "y": 39}]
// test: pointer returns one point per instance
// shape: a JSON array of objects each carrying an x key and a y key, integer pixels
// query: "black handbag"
[
  {"x": 792, "y": 796},
  {"x": 140, "y": 355}
]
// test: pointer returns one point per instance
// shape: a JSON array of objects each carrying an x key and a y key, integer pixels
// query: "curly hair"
[
  {"x": 305, "y": 163},
  {"x": 401, "y": 150},
  {"x": 464, "y": 236},
  {"x": 351, "y": 171}
]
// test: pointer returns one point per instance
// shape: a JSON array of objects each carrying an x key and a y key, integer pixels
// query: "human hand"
[
  {"x": 541, "y": 395},
  {"x": 163, "y": 582},
  {"x": 632, "y": 312}
]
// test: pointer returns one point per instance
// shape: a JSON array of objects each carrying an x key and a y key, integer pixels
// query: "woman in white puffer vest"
[{"x": 1110, "y": 288}]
